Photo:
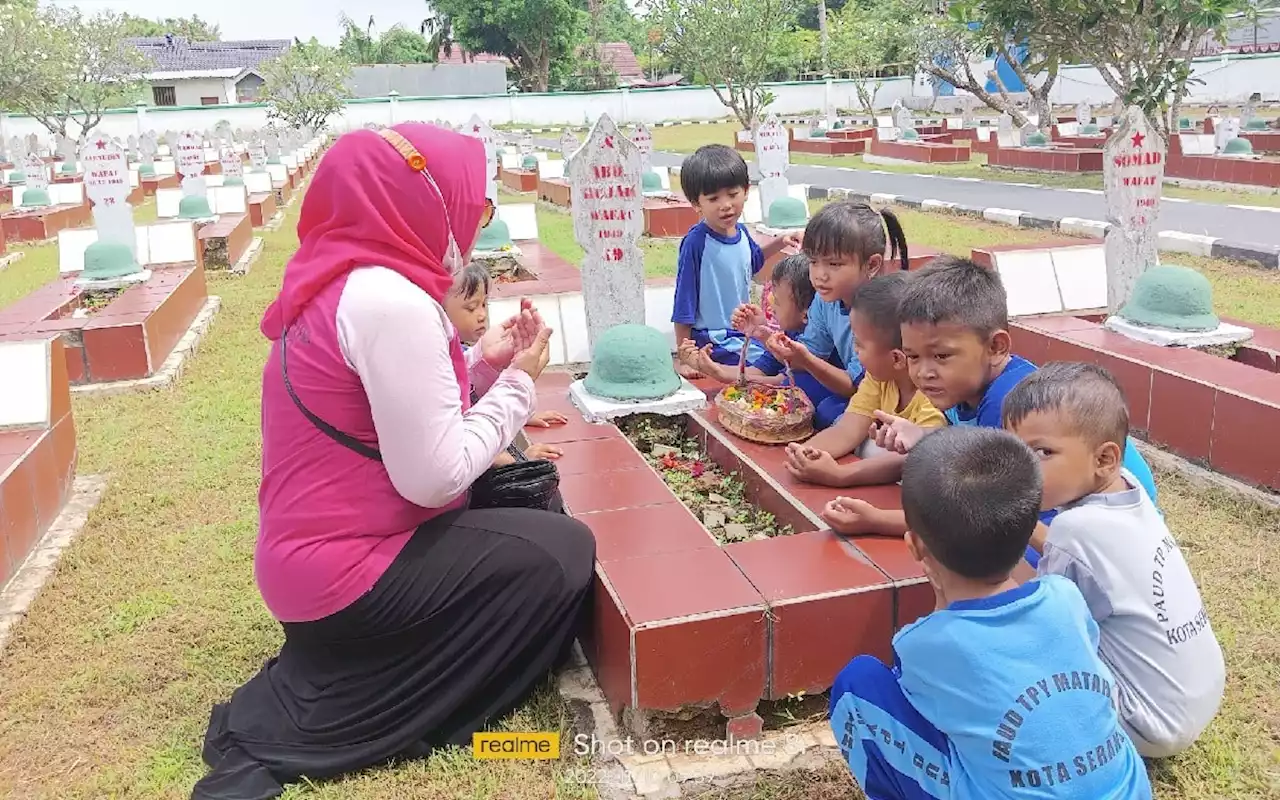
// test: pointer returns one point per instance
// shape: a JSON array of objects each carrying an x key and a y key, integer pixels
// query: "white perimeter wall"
[{"x": 1226, "y": 80}]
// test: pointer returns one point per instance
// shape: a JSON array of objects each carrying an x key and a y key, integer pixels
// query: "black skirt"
[{"x": 467, "y": 621}]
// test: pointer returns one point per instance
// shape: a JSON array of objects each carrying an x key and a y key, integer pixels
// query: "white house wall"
[{"x": 1226, "y": 80}]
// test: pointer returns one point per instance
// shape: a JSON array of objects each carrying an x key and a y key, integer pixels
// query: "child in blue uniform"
[
  {"x": 1000, "y": 692},
  {"x": 846, "y": 244},
  {"x": 718, "y": 258},
  {"x": 955, "y": 335}
]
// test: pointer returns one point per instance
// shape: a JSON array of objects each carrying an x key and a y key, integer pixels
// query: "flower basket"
[{"x": 765, "y": 414}]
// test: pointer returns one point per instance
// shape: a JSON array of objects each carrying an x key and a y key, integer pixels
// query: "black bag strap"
[{"x": 338, "y": 436}]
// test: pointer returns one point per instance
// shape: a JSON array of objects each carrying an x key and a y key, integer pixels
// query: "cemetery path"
[{"x": 1231, "y": 223}]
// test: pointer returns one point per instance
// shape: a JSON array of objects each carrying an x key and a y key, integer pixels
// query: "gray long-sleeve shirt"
[{"x": 1154, "y": 631}]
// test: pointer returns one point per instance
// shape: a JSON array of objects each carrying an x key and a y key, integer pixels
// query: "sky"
[{"x": 269, "y": 19}]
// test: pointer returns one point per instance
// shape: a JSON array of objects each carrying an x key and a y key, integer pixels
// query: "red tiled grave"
[
  {"x": 223, "y": 243},
  {"x": 262, "y": 207},
  {"x": 1047, "y": 159},
  {"x": 150, "y": 185},
  {"x": 128, "y": 339},
  {"x": 555, "y": 191},
  {"x": 521, "y": 181},
  {"x": 39, "y": 224},
  {"x": 827, "y": 604},
  {"x": 924, "y": 152},
  {"x": 828, "y": 147},
  {"x": 666, "y": 217}
]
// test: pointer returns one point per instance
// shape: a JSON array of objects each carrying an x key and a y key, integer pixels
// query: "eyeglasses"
[{"x": 418, "y": 163}]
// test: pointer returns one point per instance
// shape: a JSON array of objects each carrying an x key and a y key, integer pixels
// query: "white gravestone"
[
  {"x": 191, "y": 164},
  {"x": 1027, "y": 130},
  {"x": 1247, "y": 113},
  {"x": 147, "y": 149},
  {"x": 232, "y": 166},
  {"x": 569, "y": 145},
  {"x": 37, "y": 177},
  {"x": 608, "y": 220},
  {"x": 905, "y": 120},
  {"x": 643, "y": 140},
  {"x": 1084, "y": 114},
  {"x": 272, "y": 143},
  {"x": 773, "y": 160},
  {"x": 1005, "y": 136},
  {"x": 258, "y": 155},
  {"x": 1224, "y": 131},
  {"x": 1133, "y": 172},
  {"x": 484, "y": 132},
  {"x": 106, "y": 182}
]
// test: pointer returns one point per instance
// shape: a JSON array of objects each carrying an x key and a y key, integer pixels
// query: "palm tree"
[
  {"x": 358, "y": 44},
  {"x": 438, "y": 29}
]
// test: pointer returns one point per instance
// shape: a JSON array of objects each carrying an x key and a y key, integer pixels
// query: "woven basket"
[{"x": 756, "y": 427}]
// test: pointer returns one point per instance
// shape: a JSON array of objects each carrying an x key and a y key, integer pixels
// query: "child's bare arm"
[{"x": 844, "y": 437}]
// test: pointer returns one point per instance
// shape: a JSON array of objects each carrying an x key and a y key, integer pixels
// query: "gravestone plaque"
[
  {"x": 1084, "y": 114},
  {"x": 773, "y": 160},
  {"x": 272, "y": 144},
  {"x": 258, "y": 155},
  {"x": 903, "y": 118},
  {"x": 815, "y": 123},
  {"x": 18, "y": 152},
  {"x": 1224, "y": 131},
  {"x": 223, "y": 132},
  {"x": 147, "y": 149},
  {"x": 1133, "y": 174},
  {"x": 484, "y": 132},
  {"x": 526, "y": 145},
  {"x": 232, "y": 165},
  {"x": 569, "y": 145},
  {"x": 643, "y": 140},
  {"x": 1004, "y": 131},
  {"x": 608, "y": 220},
  {"x": 134, "y": 154},
  {"x": 106, "y": 183},
  {"x": 191, "y": 164},
  {"x": 966, "y": 112},
  {"x": 36, "y": 169},
  {"x": 33, "y": 145},
  {"x": 1026, "y": 131},
  {"x": 1247, "y": 113},
  {"x": 67, "y": 149}
]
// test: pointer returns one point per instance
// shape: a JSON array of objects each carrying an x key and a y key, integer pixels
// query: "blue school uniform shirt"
[
  {"x": 988, "y": 415},
  {"x": 828, "y": 333},
  {"x": 1015, "y": 684},
  {"x": 713, "y": 277}
]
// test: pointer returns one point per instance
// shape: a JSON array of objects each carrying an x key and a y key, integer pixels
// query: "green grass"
[
  {"x": 152, "y": 614},
  {"x": 687, "y": 138}
]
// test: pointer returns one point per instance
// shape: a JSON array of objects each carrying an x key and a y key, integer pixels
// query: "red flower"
[{"x": 697, "y": 469}]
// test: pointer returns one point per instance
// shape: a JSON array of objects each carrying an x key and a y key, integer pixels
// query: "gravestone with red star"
[
  {"x": 569, "y": 145},
  {"x": 1133, "y": 176},
  {"x": 106, "y": 183},
  {"x": 483, "y": 131},
  {"x": 608, "y": 219}
]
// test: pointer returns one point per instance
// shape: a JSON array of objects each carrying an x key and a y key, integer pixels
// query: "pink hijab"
[{"x": 367, "y": 207}]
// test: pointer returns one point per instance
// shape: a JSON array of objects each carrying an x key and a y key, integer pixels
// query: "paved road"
[{"x": 1235, "y": 224}]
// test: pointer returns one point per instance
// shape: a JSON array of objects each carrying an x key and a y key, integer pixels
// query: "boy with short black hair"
[
  {"x": 1000, "y": 692},
  {"x": 718, "y": 258},
  {"x": 955, "y": 334},
  {"x": 887, "y": 387},
  {"x": 792, "y": 295},
  {"x": 1109, "y": 539}
]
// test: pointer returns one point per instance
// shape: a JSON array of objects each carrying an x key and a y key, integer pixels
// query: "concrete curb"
[{"x": 1266, "y": 256}]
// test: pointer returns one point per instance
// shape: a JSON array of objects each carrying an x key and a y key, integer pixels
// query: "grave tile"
[
  {"x": 116, "y": 353},
  {"x": 1058, "y": 324},
  {"x": 576, "y": 429},
  {"x": 814, "y": 585},
  {"x": 1029, "y": 343},
  {"x": 890, "y": 555},
  {"x": 17, "y": 443},
  {"x": 673, "y": 585},
  {"x": 1246, "y": 439},
  {"x": 614, "y": 490},
  {"x": 549, "y": 382},
  {"x": 19, "y": 521},
  {"x": 1062, "y": 349},
  {"x": 49, "y": 479},
  {"x": 595, "y": 456},
  {"x": 717, "y": 659},
  {"x": 607, "y": 645},
  {"x": 646, "y": 531},
  {"x": 1182, "y": 414},
  {"x": 1135, "y": 382}
]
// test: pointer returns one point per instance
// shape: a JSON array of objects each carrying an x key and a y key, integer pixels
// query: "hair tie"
[{"x": 416, "y": 161}]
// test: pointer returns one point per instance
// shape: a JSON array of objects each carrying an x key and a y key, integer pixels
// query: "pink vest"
[{"x": 330, "y": 520}]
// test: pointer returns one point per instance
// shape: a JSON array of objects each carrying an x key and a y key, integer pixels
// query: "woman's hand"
[
  {"x": 543, "y": 452},
  {"x": 501, "y": 343},
  {"x": 545, "y": 419},
  {"x": 534, "y": 358}
]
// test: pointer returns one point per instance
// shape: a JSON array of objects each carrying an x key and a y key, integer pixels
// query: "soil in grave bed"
[
  {"x": 716, "y": 497},
  {"x": 88, "y": 303}
]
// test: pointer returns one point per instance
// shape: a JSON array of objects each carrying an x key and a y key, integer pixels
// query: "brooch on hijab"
[{"x": 405, "y": 148}]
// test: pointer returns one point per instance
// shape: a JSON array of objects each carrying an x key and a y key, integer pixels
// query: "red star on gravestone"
[
  {"x": 102, "y": 144},
  {"x": 608, "y": 142},
  {"x": 475, "y": 128},
  {"x": 1138, "y": 137}
]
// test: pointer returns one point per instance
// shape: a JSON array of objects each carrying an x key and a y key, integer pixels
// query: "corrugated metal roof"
[
  {"x": 176, "y": 54},
  {"x": 190, "y": 74}
]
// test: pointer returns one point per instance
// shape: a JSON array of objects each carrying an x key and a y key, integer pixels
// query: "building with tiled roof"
[
  {"x": 187, "y": 73},
  {"x": 617, "y": 55}
]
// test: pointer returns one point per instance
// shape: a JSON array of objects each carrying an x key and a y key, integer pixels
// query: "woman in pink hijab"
[{"x": 410, "y": 621}]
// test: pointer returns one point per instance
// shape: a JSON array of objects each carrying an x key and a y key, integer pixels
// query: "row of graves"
[
  {"x": 717, "y": 580},
  {"x": 129, "y": 302}
]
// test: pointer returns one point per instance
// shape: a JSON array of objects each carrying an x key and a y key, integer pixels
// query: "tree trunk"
[{"x": 824, "y": 36}]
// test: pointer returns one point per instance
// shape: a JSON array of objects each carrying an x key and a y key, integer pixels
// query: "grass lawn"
[
  {"x": 152, "y": 615},
  {"x": 687, "y": 138}
]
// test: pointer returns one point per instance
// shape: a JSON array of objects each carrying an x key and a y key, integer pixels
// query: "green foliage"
[
  {"x": 539, "y": 37},
  {"x": 729, "y": 43},
  {"x": 306, "y": 85},
  {"x": 1142, "y": 48},
  {"x": 864, "y": 40},
  {"x": 193, "y": 29},
  {"x": 60, "y": 67},
  {"x": 396, "y": 45}
]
